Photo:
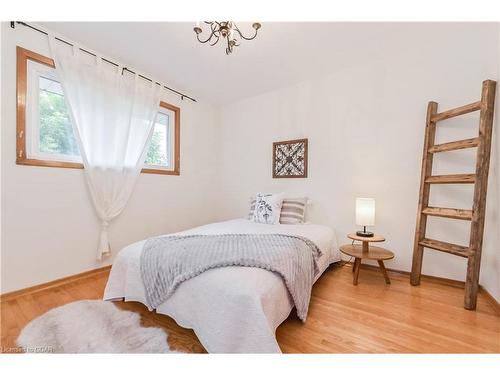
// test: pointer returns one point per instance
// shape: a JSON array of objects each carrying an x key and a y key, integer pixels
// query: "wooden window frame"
[{"x": 23, "y": 56}]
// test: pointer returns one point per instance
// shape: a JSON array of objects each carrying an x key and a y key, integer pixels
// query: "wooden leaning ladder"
[{"x": 480, "y": 179}]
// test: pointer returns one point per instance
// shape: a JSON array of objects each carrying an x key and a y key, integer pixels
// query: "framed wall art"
[{"x": 290, "y": 159}]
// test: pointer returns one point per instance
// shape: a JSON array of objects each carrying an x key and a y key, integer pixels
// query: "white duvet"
[{"x": 231, "y": 309}]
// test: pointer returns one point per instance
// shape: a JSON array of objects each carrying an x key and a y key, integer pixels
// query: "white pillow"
[{"x": 268, "y": 208}]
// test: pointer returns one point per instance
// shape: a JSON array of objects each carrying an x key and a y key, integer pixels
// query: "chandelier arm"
[
  {"x": 213, "y": 31},
  {"x": 216, "y": 40},
  {"x": 244, "y": 37},
  {"x": 206, "y": 40}
]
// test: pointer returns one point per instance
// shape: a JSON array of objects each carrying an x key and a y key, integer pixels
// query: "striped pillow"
[{"x": 293, "y": 211}]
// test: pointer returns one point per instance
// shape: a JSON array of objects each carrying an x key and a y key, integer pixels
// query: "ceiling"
[{"x": 282, "y": 54}]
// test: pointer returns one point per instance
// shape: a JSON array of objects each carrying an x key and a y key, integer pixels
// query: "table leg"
[
  {"x": 384, "y": 271},
  {"x": 357, "y": 264},
  {"x": 365, "y": 246}
]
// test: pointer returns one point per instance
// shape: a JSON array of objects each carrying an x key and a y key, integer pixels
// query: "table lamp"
[{"x": 365, "y": 215}]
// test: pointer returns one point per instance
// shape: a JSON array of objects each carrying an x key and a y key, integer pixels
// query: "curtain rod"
[{"x": 13, "y": 25}]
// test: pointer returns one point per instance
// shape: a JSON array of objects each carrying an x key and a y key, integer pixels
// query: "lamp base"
[{"x": 361, "y": 233}]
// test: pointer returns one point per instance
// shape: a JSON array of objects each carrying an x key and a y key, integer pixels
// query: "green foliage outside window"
[
  {"x": 56, "y": 133},
  {"x": 155, "y": 156}
]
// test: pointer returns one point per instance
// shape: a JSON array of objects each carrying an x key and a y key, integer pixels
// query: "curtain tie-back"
[{"x": 104, "y": 248}]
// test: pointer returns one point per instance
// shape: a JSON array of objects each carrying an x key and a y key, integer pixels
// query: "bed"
[{"x": 231, "y": 309}]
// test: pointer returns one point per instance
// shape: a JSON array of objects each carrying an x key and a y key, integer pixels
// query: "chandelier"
[{"x": 225, "y": 30}]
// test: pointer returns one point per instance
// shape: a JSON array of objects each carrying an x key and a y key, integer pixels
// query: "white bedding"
[{"x": 231, "y": 309}]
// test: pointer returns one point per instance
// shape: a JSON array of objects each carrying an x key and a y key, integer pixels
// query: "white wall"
[
  {"x": 49, "y": 228},
  {"x": 365, "y": 127}
]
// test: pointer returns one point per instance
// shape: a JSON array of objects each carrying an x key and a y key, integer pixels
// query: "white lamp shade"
[{"x": 365, "y": 211}]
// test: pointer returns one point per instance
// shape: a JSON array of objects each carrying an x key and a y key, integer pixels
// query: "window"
[
  {"x": 49, "y": 134},
  {"x": 44, "y": 131},
  {"x": 159, "y": 154},
  {"x": 163, "y": 153}
]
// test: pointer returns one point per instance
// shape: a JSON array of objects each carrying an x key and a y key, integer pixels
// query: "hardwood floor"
[{"x": 372, "y": 317}]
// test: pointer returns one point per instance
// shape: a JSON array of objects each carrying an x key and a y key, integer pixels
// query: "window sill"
[
  {"x": 68, "y": 164},
  {"x": 174, "y": 172},
  {"x": 49, "y": 163}
]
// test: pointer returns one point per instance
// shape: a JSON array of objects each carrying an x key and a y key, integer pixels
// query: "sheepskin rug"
[{"x": 91, "y": 326}]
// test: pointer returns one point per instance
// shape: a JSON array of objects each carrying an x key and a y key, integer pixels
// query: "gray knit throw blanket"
[{"x": 167, "y": 261}]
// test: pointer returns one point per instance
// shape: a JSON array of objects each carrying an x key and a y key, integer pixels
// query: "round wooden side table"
[{"x": 364, "y": 251}]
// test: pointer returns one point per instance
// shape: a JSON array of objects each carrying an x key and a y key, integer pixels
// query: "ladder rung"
[
  {"x": 457, "y": 145},
  {"x": 452, "y": 213},
  {"x": 446, "y": 247},
  {"x": 456, "y": 111},
  {"x": 452, "y": 179}
]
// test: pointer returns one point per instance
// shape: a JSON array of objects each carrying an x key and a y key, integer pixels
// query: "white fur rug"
[{"x": 91, "y": 326}]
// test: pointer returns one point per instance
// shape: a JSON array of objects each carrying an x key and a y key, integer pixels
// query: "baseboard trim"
[
  {"x": 68, "y": 279},
  {"x": 444, "y": 281},
  {"x": 440, "y": 280},
  {"x": 493, "y": 302},
  {"x": 52, "y": 284}
]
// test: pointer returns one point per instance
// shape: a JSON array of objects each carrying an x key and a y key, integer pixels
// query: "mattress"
[{"x": 231, "y": 309}]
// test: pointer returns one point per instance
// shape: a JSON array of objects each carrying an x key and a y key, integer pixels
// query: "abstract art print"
[{"x": 290, "y": 159}]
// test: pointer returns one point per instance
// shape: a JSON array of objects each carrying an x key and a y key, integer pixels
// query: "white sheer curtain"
[{"x": 113, "y": 117}]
